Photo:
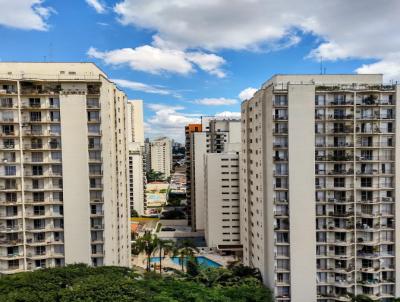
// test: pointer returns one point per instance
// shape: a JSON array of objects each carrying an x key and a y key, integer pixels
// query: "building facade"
[
  {"x": 161, "y": 156},
  {"x": 137, "y": 158},
  {"x": 319, "y": 183},
  {"x": 63, "y": 190},
  {"x": 218, "y": 135},
  {"x": 189, "y": 129},
  {"x": 222, "y": 204},
  {"x": 135, "y": 124}
]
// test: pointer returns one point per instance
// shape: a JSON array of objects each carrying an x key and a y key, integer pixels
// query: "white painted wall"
[
  {"x": 301, "y": 99},
  {"x": 75, "y": 178}
]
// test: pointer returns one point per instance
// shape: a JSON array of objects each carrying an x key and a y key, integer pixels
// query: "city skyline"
[{"x": 202, "y": 67}]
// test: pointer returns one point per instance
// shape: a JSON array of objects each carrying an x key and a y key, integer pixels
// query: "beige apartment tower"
[
  {"x": 63, "y": 190},
  {"x": 136, "y": 157},
  {"x": 161, "y": 156},
  {"x": 318, "y": 187}
]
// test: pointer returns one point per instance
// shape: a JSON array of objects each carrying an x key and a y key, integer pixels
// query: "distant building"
[
  {"x": 222, "y": 204},
  {"x": 189, "y": 130},
  {"x": 135, "y": 124},
  {"x": 63, "y": 168},
  {"x": 161, "y": 156},
  {"x": 218, "y": 135},
  {"x": 136, "y": 158}
]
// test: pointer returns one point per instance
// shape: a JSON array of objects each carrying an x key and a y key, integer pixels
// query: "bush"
[{"x": 103, "y": 284}]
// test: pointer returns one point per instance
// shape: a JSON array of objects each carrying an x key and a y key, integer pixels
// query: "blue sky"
[{"x": 187, "y": 58}]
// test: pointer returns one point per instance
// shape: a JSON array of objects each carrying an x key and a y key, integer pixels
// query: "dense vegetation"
[{"x": 104, "y": 284}]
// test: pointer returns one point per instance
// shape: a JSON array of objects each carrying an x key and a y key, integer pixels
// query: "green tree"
[
  {"x": 184, "y": 250},
  {"x": 146, "y": 244},
  {"x": 134, "y": 213},
  {"x": 80, "y": 283},
  {"x": 192, "y": 266},
  {"x": 164, "y": 247}
]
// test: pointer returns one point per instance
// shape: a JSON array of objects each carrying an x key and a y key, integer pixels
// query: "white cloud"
[
  {"x": 247, "y": 93},
  {"x": 169, "y": 120},
  {"x": 208, "y": 62},
  {"x": 160, "y": 60},
  {"x": 215, "y": 101},
  {"x": 137, "y": 86},
  {"x": 389, "y": 66},
  {"x": 25, "y": 14},
  {"x": 228, "y": 114},
  {"x": 343, "y": 29},
  {"x": 97, "y": 5}
]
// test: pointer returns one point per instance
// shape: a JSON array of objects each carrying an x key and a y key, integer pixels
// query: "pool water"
[{"x": 204, "y": 261}]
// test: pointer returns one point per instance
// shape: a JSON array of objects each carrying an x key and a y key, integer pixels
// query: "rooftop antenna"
[
  {"x": 320, "y": 64},
  {"x": 50, "y": 51}
]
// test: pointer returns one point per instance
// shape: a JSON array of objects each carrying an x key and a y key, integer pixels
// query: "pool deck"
[{"x": 141, "y": 260}]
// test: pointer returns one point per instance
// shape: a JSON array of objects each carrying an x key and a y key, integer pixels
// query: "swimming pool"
[{"x": 204, "y": 261}]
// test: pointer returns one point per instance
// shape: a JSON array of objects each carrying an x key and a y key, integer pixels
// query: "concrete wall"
[
  {"x": 200, "y": 149},
  {"x": 135, "y": 125},
  {"x": 397, "y": 190},
  {"x": 222, "y": 199},
  {"x": 301, "y": 192},
  {"x": 75, "y": 178}
]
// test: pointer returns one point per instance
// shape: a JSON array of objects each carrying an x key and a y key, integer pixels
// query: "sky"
[{"x": 188, "y": 58}]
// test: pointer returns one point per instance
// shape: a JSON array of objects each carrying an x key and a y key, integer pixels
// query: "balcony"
[{"x": 10, "y": 242}]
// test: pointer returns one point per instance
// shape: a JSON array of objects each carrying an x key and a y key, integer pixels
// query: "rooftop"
[
  {"x": 325, "y": 79},
  {"x": 50, "y": 71}
]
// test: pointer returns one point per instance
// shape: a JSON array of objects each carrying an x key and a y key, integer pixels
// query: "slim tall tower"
[
  {"x": 136, "y": 158},
  {"x": 189, "y": 130},
  {"x": 63, "y": 190},
  {"x": 319, "y": 181}
]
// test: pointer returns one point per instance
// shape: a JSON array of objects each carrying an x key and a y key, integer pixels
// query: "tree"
[
  {"x": 155, "y": 176},
  {"x": 185, "y": 250},
  {"x": 134, "y": 213},
  {"x": 146, "y": 244},
  {"x": 192, "y": 266},
  {"x": 103, "y": 284},
  {"x": 164, "y": 247},
  {"x": 173, "y": 214}
]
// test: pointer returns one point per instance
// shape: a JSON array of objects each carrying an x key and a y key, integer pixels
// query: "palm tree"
[
  {"x": 164, "y": 246},
  {"x": 146, "y": 244},
  {"x": 185, "y": 250}
]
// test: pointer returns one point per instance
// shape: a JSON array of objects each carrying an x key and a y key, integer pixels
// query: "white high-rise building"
[
  {"x": 319, "y": 181},
  {"x": 135, "y": 124},
  {"x": 137, "y": 176},
  {"x": 161, "y": 155},
  {"x": 222, "y": 204},
  {"x": 63, "y": 149},
  {"x": 218, "y": 135}
]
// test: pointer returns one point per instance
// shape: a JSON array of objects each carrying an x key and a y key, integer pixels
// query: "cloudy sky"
[{"x": 187, "y": 58}]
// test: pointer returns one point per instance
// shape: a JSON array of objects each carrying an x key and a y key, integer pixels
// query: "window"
[
  {"x": 366, "y": 182},
  {"x": 10, "y": 170},
  {"x": 37, "y": 157},
  {"x": 34, "y": 102},
  {"x": 339, "y": 182},
  {"x": 36, "y": 116}
]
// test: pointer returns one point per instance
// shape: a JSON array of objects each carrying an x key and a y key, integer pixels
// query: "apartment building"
[
  {"x": 218, "y": 135},
  {"x": 161, "y": 155},
  {"x": 189, "y": 129},
  {"x": 135, "y": 124},
  {"x": 136, "y": 159},
  {"x": 319, "y": 186},
  {"x": 222, "y": 204},
  {"x": 63, "y": 190}
]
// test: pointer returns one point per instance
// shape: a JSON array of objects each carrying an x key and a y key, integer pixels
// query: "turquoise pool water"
[{"x": 204, "y": 261}]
